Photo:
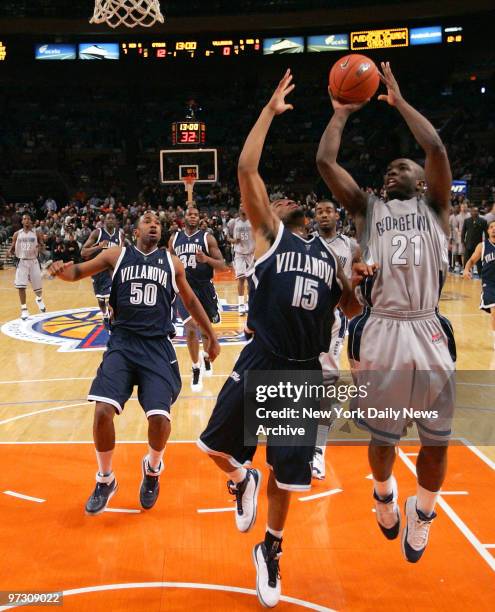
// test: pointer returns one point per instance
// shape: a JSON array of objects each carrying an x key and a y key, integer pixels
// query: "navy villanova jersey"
[
  {"x": 143, "y": 293},
  {"x": 114, "y": 240},
  {"x": 185, "y": 248},
  {"x": 296, "y": 291},
  {"x": 488, "y": 262}
]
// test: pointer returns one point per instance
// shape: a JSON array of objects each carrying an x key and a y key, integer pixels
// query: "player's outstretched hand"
[
  {"x": 277, "y": 103},
  {"x": 212, "y": 347},
  {"x": 350, "y": 107},
  {"x": 361, "y": 270},
  {"x": 58, "y": 268},
  {"x": 387, "y": 78},
  {"x": 467, "y": 274}
]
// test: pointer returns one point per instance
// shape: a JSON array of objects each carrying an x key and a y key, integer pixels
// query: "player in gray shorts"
[
  {"x": 26, "y": 244},
  {"x": 243, "y": 244},
  {"x": 401, "y": 344}
]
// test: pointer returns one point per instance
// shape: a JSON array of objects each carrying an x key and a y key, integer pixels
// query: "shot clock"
[{"x": 188, "y": 133}]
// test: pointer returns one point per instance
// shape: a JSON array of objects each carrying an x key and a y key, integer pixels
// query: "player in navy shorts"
[
  {"x": 486, "y": 252},
  {"x": 145, "y": 283},
  {"x": 106, "y": 237},
  {"x": 290, "y": 316},
  {"x": 200, "y": 256}
]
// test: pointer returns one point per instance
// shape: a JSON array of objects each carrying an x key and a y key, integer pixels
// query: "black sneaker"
[
  {"x": 196, "y": 382},
  {"x": 150, "y": 488},
  {"x": 268, "y": 585},
  {"x": 208, "y": 371},
  {"x": 100, "y": 497}
]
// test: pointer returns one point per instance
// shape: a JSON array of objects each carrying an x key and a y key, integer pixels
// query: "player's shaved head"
[
  {"x": 403, "y": 179},
  {"x": 325, "y": 204},
  {"x": 191, "y": 218}
]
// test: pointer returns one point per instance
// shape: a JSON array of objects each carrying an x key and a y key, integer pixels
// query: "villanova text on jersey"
[
  {"x": 143, "y": 293},
  {"x": 186, "y": 247},
  {"x": 296, "y": 292}
]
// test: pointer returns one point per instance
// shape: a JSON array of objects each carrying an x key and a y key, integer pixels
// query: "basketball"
[{"x": 353, "y": 78}]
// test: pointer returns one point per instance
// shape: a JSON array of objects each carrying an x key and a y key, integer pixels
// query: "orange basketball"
[{"x": 353, "y": 78}]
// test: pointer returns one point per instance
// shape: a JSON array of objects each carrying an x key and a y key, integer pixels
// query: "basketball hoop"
[
  {"x": 130, "y": 13},
  {"x": 189, "y": 185}
]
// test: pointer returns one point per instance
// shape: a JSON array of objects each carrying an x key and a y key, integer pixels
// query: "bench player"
[
  {"x": 26, "y": 246},
  {"x": 106, "y": 237},
  {"x": 243, "y": 244},
  {"x": 348, "y": 252},
  {"x": 291, "y": 313},
  {"x": 486, "y": 252},
  {"x": 401, "y": 330},
  {"x": 145, "y": 282},
  {"x": 200, "y": 256}
]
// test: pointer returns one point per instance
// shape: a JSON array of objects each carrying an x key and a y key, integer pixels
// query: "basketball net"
[
  {"x": 189, "y": 185},
  {"x": 130, "y": 13}
]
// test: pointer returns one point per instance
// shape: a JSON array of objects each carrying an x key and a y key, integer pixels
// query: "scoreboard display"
[
  {"x": 232, "y": 46},
  {"x": 3, "y": 51},
  {"x": 379, "y": 39},
  {"x": 222, "y": 47},
  {"x": 188, "y": 132}
]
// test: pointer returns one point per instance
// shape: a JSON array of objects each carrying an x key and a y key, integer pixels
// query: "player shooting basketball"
[
  {"x": 145, "y": 283},
  {"x": 401, "y": 329}
]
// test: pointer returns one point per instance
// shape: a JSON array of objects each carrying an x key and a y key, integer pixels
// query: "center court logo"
[{"x": 81, "y": 329}]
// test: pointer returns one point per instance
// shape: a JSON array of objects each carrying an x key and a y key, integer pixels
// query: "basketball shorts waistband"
[{"x": 404, "y": 315}]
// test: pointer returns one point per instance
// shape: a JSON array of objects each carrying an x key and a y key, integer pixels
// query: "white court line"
[
  {"x": 28, "y": 414},
  {"x": 489, "y": 545},
  {"x": 38, "y": 500},
  {"x": 43, "y": 380},
  {"x": 318, "y": 495},
  {"x": 411, "y": 454},
  {"x": 454, "y": 493},
  {"x": 206, "y": 510},
  {"x": 123, "y": 510},
  {"x": 479, "y": 453},
  {"x": 369, "y": 477},
  {"x": 458, "y": 522},
  {"x": 181, "y": 585}
]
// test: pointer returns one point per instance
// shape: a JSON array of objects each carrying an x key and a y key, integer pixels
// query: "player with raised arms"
[
  {"x": 401, "y": 336},
  {"x": 290, "y": 316},
  {"x": 199, "y": 253},
  {"x": 145, "y": 282}
]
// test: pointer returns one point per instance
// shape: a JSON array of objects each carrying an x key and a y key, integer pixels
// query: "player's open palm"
[
  {"x": 387, "y": 78},
  {"x": 277, "y": 102}
]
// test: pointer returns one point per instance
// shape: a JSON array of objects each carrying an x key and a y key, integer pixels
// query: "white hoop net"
[{"x": 130, "y": 13}]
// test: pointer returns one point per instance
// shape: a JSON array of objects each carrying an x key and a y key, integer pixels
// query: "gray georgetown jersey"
[
  {"x": 26, "y": 245},
  {"x": 243, "y": 231},
  {"x": 407, "y": 241},
  {"x": 344, "y": 249}
]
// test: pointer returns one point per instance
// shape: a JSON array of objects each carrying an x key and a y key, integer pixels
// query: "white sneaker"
[
  {"x": 41, "y": 304},
  {"x": 196, "y": 380},
  {"x": 318, "y": 469},
  {"x": 242, "y": 310},
  {"x": 416, "y": 532},
  {"x": 246, "y": 497},
  {"x": 388, "y": 513},
  {"x": 24, "y": 314},
  {"x": 268, "y": 584}
]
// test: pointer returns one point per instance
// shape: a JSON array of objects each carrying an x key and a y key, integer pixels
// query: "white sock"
[
  {"x": 383, "y": 489},
  {"x": 322, "y": 437},
  {"x": 39, "y": 298},
  {"x": 196, "y": 366},
  {"x": 155, "y": 458},
  {"x": 206, "y": 356},
  {"x": 275, "y": 533},
  {"x": 241, "y": 300},
  {"x": 237, "y": 475},
  {"x": 104, "y": 462},
  {"x": 426, "y": 500},
  {"x": 23, "y": 307}
]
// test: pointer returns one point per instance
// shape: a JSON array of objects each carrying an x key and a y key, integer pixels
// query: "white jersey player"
[
  {"x": 401, "y": 343},
  {"x": 347, "y": 252},
  {"x": 26, "y": 244},
  {"x": 243, "y": 243}
]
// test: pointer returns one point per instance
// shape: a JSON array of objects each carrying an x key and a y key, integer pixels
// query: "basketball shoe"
[
  {"x": 104, "y": 491},
  {"x": 40, "y": 304},
  {"x": 318, "y": 469},
  {"x": 266, "y": 562},
  {"x": 208, "y": 367},
  {"x": 246, "y": 497},
  {"x": 388, "y": 513},
  {"x": 24, "y": 313},
  {"x": 416, "y": 532},
  {"x": 196, "y": 382},
  {"x": 150, "y": 485}
]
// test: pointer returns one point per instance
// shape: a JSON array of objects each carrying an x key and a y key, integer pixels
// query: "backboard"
[{"x": 198, "y": 164}]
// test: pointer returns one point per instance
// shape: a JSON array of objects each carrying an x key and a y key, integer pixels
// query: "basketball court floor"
[{"x": 186, "y": 553}]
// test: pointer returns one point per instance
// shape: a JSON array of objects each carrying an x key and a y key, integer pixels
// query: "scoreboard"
[
  {"x": 188, "y": 132},
  {"x": 192, "y": 48}
]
